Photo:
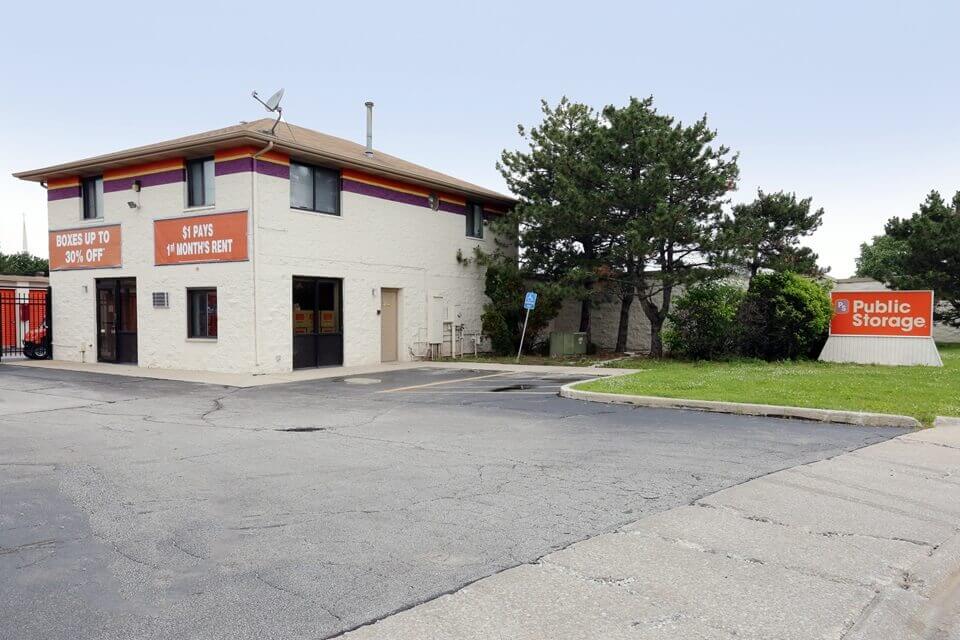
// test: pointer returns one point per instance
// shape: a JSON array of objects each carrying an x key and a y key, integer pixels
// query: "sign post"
[
  {"x": 882, "y": 327},
  {"x": 529, "y": 302}
]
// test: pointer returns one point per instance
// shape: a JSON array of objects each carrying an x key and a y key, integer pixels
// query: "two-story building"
[{"x": 242, "y": 250}]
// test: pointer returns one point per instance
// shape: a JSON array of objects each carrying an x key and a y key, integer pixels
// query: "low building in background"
[{"x": 242, "y": 250}]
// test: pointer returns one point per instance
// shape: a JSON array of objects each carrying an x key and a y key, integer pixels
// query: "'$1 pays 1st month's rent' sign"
[
  {"x": 219, "y": 237},
  {"x": 882, "y": 313}
]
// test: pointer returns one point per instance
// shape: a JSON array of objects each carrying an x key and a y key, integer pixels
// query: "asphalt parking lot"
[{"x": 135, "y": 508}]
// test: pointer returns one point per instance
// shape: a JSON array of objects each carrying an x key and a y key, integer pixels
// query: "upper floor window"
[
  {"x": 200, "y": 182},
  {"x": 314, "y": 188},
  {"x": 92, "y": 198},
  {"x": 474, "y": 220}
]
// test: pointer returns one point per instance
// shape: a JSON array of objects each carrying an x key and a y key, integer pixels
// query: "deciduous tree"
[{"x": 22, "y": 264}]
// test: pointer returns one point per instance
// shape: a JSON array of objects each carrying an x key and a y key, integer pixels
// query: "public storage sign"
[
  {"x": 218, "y": 237},
  {"x": 85, "y": 248},
  {"x": 906, "y": 314}
]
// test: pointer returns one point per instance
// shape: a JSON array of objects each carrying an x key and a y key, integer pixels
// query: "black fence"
[{"x": 25, "y": 323}]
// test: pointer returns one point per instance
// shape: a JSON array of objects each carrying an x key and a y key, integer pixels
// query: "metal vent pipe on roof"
[{"x": 369, "y": 151}]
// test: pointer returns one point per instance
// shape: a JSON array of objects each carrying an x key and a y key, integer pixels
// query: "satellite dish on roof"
[{"x": 272, "y": 104}]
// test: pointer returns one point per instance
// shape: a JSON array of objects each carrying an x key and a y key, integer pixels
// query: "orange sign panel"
[
  {"x": 218, "y": 237},
  {"x": 882, "y": 313},
  {"x": 88, "y": 248}
]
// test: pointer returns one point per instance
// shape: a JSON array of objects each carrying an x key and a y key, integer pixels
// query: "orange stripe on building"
[
  {"x": 144, "y": 169},
  {"x": 452, "y": 199},
  {"x": 248, "y": 152},
  {"x": 72, "y": 181},
  {"x": 386, "y": 183}
]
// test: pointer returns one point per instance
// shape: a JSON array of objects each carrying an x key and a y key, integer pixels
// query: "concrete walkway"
[
  {"x": 865, "y": 545},
  {"x": 300, "y": 375}
]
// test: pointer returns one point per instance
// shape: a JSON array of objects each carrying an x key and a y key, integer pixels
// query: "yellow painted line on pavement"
[{"x": 436, "y": 384}]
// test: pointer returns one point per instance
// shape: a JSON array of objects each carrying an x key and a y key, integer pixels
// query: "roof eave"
[
  {"x": 130, "y": 156},
  {"x": 159, "y": 151},
  {"x": 387, "y": 172}
]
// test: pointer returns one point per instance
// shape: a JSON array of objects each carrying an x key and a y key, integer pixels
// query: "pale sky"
[{"x": 852, "y": 103}]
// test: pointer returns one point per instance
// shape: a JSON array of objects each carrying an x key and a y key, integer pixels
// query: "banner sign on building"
[
  {"x": 218, "y": 237},
  {"x": 86, "y": 248},
  {"x": 904, "y": 314}
]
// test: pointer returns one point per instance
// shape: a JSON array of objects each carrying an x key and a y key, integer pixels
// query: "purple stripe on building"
[
  {"x": 450, "y": 207},
  {"x": 273, "y": 169},
  {"x": 63, "y": 193},
  {"x": 148, "y": 180},
  {"x": 238, "y": 165},
  {"x": 386, "y": 194}
]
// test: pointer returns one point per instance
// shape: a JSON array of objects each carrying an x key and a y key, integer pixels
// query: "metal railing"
[{"x": 25, "y": 323}]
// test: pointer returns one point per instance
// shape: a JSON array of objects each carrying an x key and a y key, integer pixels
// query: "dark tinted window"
[
  {"x": 200, "y": 182},
  {"x": 474, "y": 220},
  {"x": 314, "y": 188},
  {"x": 92, "y": 198},
  {"x": 202, "y": 313}
]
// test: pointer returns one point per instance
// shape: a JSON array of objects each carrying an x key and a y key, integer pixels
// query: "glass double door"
[
  {"x": 317, "y": 322},
  {"x": 117, "y": 320}
]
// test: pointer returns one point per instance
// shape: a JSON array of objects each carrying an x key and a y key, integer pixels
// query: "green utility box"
[{"x": 567, "y": 343}]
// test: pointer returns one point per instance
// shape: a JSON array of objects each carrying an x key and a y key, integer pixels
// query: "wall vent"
[{"x": 161, "y": 300}]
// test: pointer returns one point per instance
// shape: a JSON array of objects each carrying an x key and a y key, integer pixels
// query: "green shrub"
[
  {"x": 703, "y": 323},
  {"x": 503, "y": 316},
  {"x": 784, "y": 316}
]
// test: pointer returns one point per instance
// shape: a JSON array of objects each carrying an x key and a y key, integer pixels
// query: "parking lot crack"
[
  {"x": 29, "y": 546},
  {"x": 278, "y": 587},
  {"x": 805, "y": 530},
  {"x": 217, "y": 406}
]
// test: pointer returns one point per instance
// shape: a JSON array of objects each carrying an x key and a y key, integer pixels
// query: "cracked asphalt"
[{"x": 136, "y": 508}]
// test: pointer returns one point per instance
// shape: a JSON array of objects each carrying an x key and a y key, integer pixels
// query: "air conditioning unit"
[{"x": 161, "y": 300}]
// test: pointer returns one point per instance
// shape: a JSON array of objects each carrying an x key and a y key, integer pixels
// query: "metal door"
[
  {"x": 388, "y": 325},
  {"x": 117, "y": 320},
  {"x": 317, "y": 322},
  {"x": 106, "y": 321}
]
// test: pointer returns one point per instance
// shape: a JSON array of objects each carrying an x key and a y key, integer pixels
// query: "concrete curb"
[{"x": 742, "y": 408}]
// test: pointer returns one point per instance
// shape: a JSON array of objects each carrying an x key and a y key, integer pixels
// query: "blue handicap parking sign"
[{"x": 530, "y": 300}]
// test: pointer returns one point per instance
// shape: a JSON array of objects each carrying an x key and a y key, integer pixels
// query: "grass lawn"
[{"x": 921, "y": 392}]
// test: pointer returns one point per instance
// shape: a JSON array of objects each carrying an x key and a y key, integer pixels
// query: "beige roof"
[
  {"x": 8, "y": 280},
  {"x": 297, "y": 141}
]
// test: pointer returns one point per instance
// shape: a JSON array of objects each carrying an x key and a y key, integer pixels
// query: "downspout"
[{"x": 253, "y": 250}]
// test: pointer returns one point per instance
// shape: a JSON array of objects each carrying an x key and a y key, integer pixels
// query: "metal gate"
[{"x": 25, "y": 323}]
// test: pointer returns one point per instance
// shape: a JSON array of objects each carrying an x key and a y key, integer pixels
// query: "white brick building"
[{"x": 240, "y": 251}]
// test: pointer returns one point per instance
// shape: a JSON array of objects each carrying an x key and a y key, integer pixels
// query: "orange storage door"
[
  {"x": 38, "y": 308},
  {"x": 8, "y": 316}
]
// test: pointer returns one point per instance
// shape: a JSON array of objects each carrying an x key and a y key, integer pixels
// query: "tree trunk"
[
  {"x": 656, "y": 341},
  {"x": 624, "y": 328},
  {"x": 657, "y": 316},
  {"x": 585, "y": 306}
]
